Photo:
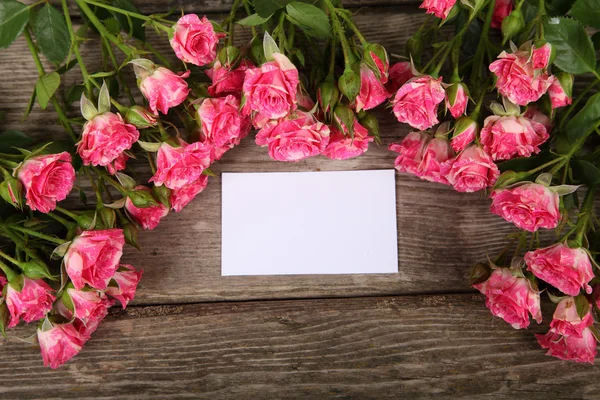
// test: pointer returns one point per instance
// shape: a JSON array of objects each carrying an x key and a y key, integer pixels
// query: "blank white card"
[{"x": 284, "y": 223}]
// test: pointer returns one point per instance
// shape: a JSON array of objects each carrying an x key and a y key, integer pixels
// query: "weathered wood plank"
[{"x": 369, "y": 348}]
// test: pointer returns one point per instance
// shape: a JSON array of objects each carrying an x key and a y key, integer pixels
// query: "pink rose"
[
  {"x": 457, "y": 99},
  {"x": 295, "y": 138},
  {"x": 502, "y": 9},
  {"x": 518, "y": 79},
  {"x": 194, "y": 40},
  {"x": 223, "y": 126},
  {"x": 182, "y": 196},
  {"x": 529, "y": 206},
  {"x": 126, "y": 279},
  {"x": 372, "y": 92},
  {"x": 439, "y": 8},
  {"x": 118, "y": 165},
  {"x": 417, "y": 100},
  {"x": 540, "y": 56},
  {"x": 472, "y": 170},
  {"x": 567, "y": 269},
  {"x": 540, "y": 122},
  {"x": 46, "y": 179},
  {"x": 465, "y": 132},
  {"x": 90, "y": 307},
  {"x": 59, "y": 344},
  {"x": 105, "y": 137},
  {"x": 31, "y": 303},
  {"x": 164, "y": 89},
  {"x": 507, "y": 137},
  {"x": 93, "y": 257},
  {"x": 558, "y": 96},
  {"x": 3, "y": 281},
  {"x": 567, "y": 322},
  {"x": 580, "y": 349},
  {"x": 147, "y": 217},
  {"x": 511, "y": 298},
  {"x": 411, "y": 151},
  {"x": 180, "y": 166},
  {"x": 271, "y": 88},
  {"x": 227, "y": 81},
  {"x": 343, "y": 147},
  {"x": 400, "y": 73}
]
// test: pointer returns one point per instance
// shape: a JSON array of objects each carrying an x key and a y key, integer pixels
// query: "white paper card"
[{"x": 284, "y": 223}]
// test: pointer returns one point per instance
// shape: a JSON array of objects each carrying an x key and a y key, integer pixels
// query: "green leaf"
[
  {"x": 585, "y": 172},
  {"x": 312, "y": 20},
  {"x": 112, "y": 25},
  {"x": 596, "y": 40},
  {"x": 29, "y": 105},
  {"x": 13, "y": 18},
  {"x": 582, "y": 305},
  {"x": 45, "y": 88},
  {"x": 586, "y": 120},
  {"x": 587, "y": 12},
  {"x": 574, "y": 50},
  {"x": 13, "y": 138},
  {"x": 133, "y": 26},
  {"x": 253, "y": 20},
  {"x": 52, "y": 34},
  {"x": 265, "y": 8},
  {"x": 103, "y": 74}
]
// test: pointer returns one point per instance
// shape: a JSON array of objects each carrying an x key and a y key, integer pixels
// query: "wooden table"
[{"x": 191, "y": 333}]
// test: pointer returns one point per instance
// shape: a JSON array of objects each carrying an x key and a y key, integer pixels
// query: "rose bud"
[
  {"x": 119, "y": 164},
  {"x": 86, "y": 305},
  {"x": 328, "y": 95},
  {"x": 163, "y": 88},
  {"x": 304, "y": 101},
  {"x": 149, "y": 216},
  {"x": 46, "y": 179},
  {"x": 182, "y": 196},
  {"x": 130, "y": 233},
  {"x": 465, "y": 131},
  {"x": 567, "y": 269},
  {"x": 59, "y": 344},
  {"x": 295, "y": 138},
  {"x": 439, "y": 8},
  {"x": 194, "y": 40},
  {"x": 140, "y": 117},
  {"x": 227, "y": 81},
  {"x": 104, "y": 138},
  {"x": 179, "y": 166},
  {"x": 572, "y": 348},
  {"x": 376, "y": 59},
  {"x": 541, "y": 54},
  {"x": 93, "y": 257},
  {"x": 372, "y": 92},
  {"x": 10, "y": 191},
  {"x": 349, "y": 83},
  {"x": 511, "y": 298},
  {"x": 142, "y": 198},
  {"x": 400, "y": 73},
  {"x": 35, "y": 269},
  {"x": 107, "y": 216},
  {"x": 271, "y": 88},
  {"x": 27, "y": 299},
  {"x": 566, "y": 320},
  {"x": 370, "y": 122},
  {"x": 162, "y": 194},
  {"x": 417, "y": 100},
  {"x": 529, "y": 206},
  {"x": 502, "y": 9},
  {"x": 126, "y": 280},
  {"x": 457, "y": 98},
  {"x": 561, "y": 90},
  {"x": 512, "y": 25},
  {"x": 344, "y": 119},
  {"x": 507, "y": 137},
  {"x": 223, "y": 125},
  {"x": 472, "y": 170},
  {"x": 342, "y": 146}
]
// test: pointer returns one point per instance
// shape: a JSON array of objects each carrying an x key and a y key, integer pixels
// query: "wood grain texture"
[{"x": 369, "y": 348}]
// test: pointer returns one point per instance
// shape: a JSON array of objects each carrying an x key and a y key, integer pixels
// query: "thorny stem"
[
  {"x": 38, "y": 234},
  {"x": 84, "y": 72}
]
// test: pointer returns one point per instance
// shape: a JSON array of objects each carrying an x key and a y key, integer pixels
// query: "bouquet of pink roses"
[{"x": 490, "y": 102}]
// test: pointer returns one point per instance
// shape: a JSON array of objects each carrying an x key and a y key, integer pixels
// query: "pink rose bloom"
[
  {"x": 417, "y": 100},
  {"x": 400, "y": 73},
  {"x": 507, "y": 137},
  {"x": 567, "y": 322},
  {"x": 164, "y": 89},
  {"x": 472, "y": 170},
  {"x": 295, "y": 138},
  {"x": 227, "y": 81},
  {"x": 147, "y": 217},
  {"x": 540, "y": 122},
  {"x": 410, "y": 151},
  {"x": 182, "y": 196},
  {"x": 439, "y": 8},
  {"x": 118, "y": 165},
  {"x": 540, "y": 57},
  {"x": 518, "y": 79},
  {"x": 502, "y": 9},
  {"x": 105, "y": 137},
  {"x": 271, "y": 88},
  {"x": 372, "y": 92},
  {"x": 457, "y": 100},
  {"x": 3, "y": 281},
  {"x": 465, "y": 132},
  {"x": 194, "y": 40},
  {"x": 511, "y": 298},
  {"x": 89, "y": 306},
  {"x": 558, "y": 96},
  {"x": 59, "y": 344},
  {"x": 179, "y": 166},
  {"x": 93, "y": 257},
  {"x": 572, "y": 348},
  {"x": 46, "y": 179},
  {"x": 567, "y": 269},
  {"x": 343, "y": 147},
  {"x": 223, "y": 126},
  {"x": 126, "y": 279},
  {"x": 529, "y": 206},
  {"x": 32, "y": 303}
]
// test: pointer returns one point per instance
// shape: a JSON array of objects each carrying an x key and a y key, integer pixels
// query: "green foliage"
[
  {"x": 585, "y": 172},
  {"x": 586, "y": 120},
  {"x": 253, "y": 20},
  {"x": 13, "y": 18},
  {"x": 133, "y": 26},
  {"x": 266, "y": 8},
  {"x": 52, "y": 34},
  {"x": 312, "y": 20},
  {"x": 587, "y": 12},
  {"x": 574, "y": 50},
  {"x": 45, "y": 88},
  {"x": 13, "y": 138}
]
